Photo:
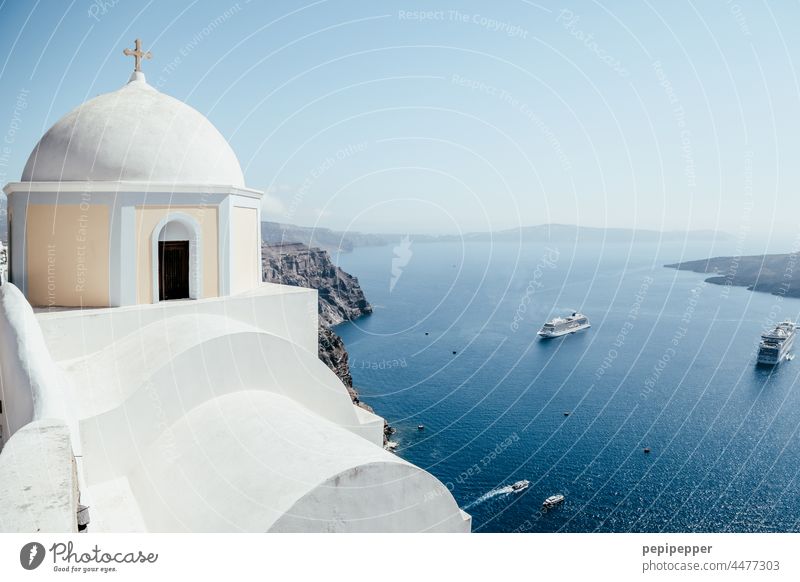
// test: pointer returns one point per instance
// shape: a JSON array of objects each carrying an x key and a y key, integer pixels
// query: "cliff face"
[
  {"x": 340, "y": 298},
  {"x": 3, "y": 263},
  {"x": 334, "y": 355}
]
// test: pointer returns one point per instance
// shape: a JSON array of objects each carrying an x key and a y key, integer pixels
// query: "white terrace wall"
[
  {"x": 32, "y": 387},
  {"x": 288, "y": 312},
  {"x": 39, "y": 489},
  {"x": 38, "y": 480}
]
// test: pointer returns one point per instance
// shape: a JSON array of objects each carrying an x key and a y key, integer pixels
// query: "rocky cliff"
[
  {"x": 340, "y": 297},
  {"x": 3, "y": 263},
  {"x": 776, "y": 274}
]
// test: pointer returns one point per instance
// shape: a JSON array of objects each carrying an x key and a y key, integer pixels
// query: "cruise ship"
[
  {"x": 775, "y": 344},
  {"x": 563, "y": 325}
]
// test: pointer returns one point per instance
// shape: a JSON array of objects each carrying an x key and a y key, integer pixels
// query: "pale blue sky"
[{"x": 483, "y": 115}]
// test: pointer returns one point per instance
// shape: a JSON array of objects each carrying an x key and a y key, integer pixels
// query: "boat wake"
[{"x": 490, "y": 495}]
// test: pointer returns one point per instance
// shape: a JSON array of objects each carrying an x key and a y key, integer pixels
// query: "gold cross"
[{"x": 137, "y": 54}]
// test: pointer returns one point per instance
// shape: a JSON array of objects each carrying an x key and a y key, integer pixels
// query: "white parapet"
[
  {"x": 32, "y": 387},
  {"x": 38, "y": 480}
]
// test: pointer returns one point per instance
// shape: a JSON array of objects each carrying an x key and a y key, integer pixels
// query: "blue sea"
[{"x": 668, "y": 365}]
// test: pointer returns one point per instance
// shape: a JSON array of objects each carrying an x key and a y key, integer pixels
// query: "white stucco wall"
[
  {"x": 304, "y": 474},
  {"x": 161, "y": 388},
  {"x": 38, "y": 480},
  {"x": 38, "y": 477},
  {"x": 288, "y": 312},
  {"x": 32, "y": 387},
  {"x": 245, "y": 249}
]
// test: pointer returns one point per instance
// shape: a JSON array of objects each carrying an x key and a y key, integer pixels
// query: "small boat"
[
  {"x": 420, "y": 427},
  {"x": 647, "y": 450},
  {"x": 553, "y": 500},
  {"x": 520, "y": 485},
  {"x": 391, "y": 445}
]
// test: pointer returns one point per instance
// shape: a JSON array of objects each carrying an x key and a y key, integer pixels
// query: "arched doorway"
[{"x": 176, "y": 246}]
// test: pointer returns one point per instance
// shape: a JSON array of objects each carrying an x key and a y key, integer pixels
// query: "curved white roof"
[
  {"x": 134, "y": 134},
  {"x": 254, "y": 461}
]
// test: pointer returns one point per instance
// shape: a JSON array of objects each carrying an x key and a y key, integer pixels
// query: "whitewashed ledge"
[{"x": 38, "y": 480}]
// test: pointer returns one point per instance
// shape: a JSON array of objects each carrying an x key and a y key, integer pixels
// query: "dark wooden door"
[{"x": 173, "y": 269}]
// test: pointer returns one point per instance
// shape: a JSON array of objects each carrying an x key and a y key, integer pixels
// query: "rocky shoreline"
[
  {"x": 340, "y": 299},
  {"x": 775, "y": 274}
]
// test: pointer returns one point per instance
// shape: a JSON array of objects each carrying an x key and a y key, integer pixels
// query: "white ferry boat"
[
  {"x": 775, "y": 344},
  {"x": 563, "y": 325},
  {"x": 553, "y": 500}
]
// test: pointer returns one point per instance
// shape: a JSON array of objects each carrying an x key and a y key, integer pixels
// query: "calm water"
[{"x": 668, "y": 364}]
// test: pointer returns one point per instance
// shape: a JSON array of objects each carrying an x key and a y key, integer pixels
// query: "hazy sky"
[{"x": 436, "y": 116}]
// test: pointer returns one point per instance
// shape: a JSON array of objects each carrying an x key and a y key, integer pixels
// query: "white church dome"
[{"x": 134, "y": 134}]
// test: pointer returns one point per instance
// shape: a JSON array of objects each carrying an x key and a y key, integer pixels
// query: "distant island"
[
  {"x": 776, "y": 274},
  {"x": 340, "y": 241}
]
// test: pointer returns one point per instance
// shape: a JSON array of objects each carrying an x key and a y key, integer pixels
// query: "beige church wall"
[
  {"x": 245, "y": 249},
  {"x": 148, "y": 218},
  {"x": 67, "y": 255}
]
